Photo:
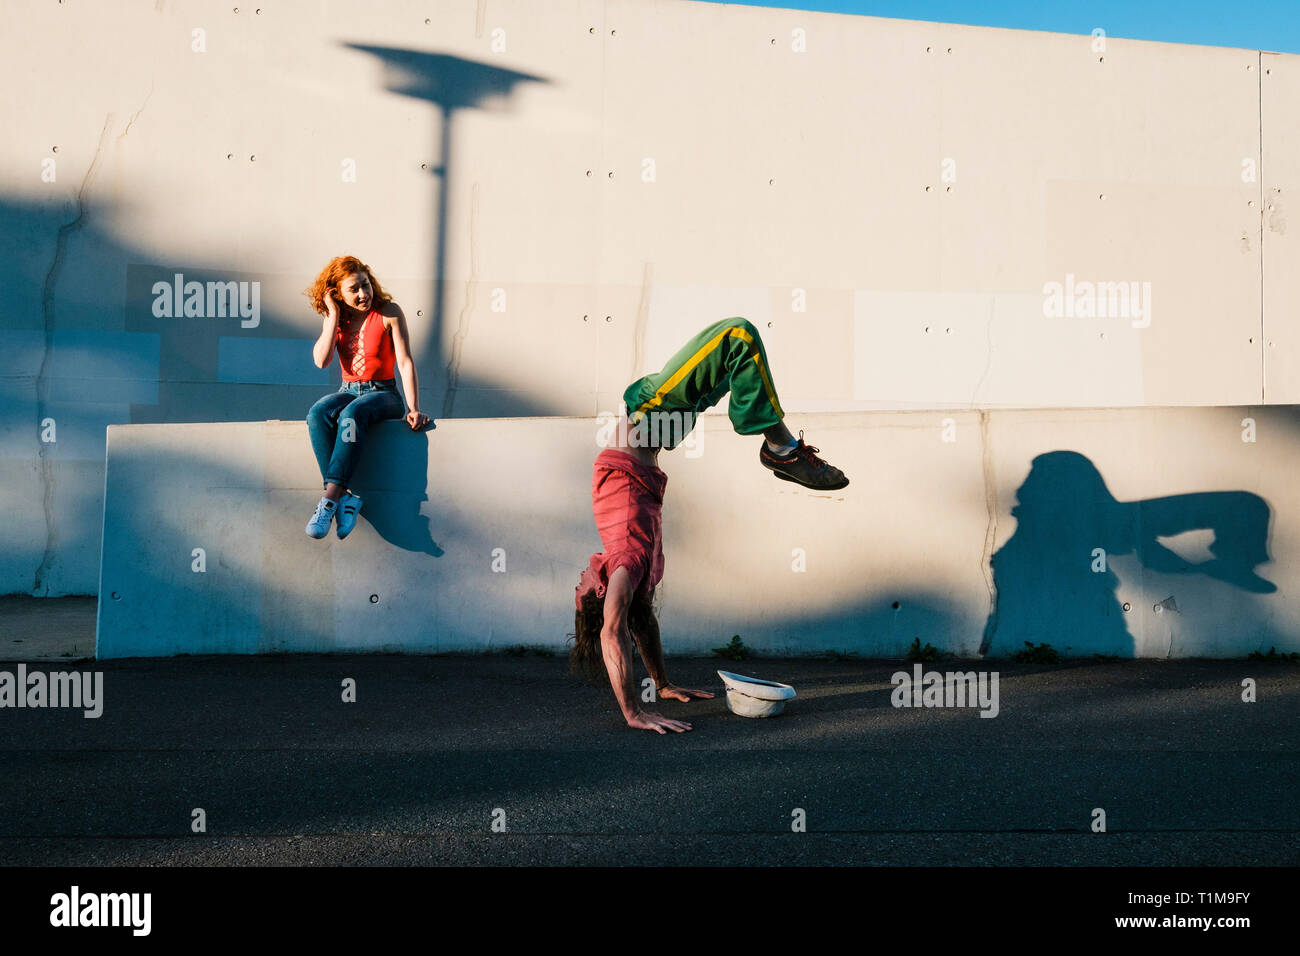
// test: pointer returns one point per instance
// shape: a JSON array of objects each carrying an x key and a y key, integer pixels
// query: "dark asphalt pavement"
[{"x": 413, "y": 771}]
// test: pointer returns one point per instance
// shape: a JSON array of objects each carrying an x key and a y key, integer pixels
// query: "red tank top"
[{"x": 366, "y": 351}]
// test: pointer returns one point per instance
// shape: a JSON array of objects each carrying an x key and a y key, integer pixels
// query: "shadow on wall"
[
  {"x": 451, "y": 84},
  {"x": 107, "y": 360},
  {"x": 1064, "y": 510},
  {"x": 1051, "y": 585},
  {"x": 196, "y": 369},
  {"x": 393, "y": 487},
  {"x": 85, "y": 359},
  {"x": 285, "y": 591},
  {"x": 239, "y": 605}
]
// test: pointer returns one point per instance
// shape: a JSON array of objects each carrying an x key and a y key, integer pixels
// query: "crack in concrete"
[
  {"x": 462, "y": 320},
  {"x": 136, "y": 115},
  {"x": 642, "y": 318},
  {"x": 988, "y": 362},
  {"x": 990, "y": 531},
  {"x": 46, "y": 468}
]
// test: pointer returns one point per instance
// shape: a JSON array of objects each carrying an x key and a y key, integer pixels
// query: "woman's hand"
[
  {"x": 331, "y": 307},
  {"x": 418, "y": 421},
  {"x": 329, "y": 329}
]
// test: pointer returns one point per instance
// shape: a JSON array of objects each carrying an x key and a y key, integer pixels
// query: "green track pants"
[{"x": 727, "y": 356}]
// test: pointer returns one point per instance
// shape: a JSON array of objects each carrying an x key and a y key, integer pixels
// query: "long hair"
[
  {"x": 585, "y": 656},
  {"x": 338, "y": 269}
]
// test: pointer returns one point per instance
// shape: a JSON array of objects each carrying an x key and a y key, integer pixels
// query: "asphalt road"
[{"x": 435, "y": 749}]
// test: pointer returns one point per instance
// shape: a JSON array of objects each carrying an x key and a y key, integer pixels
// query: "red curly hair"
[{"x": 338, "y": 269}]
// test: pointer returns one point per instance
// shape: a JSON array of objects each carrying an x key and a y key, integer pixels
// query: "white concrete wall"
[
  {"x": 559, "y": 192},
  {"x": 1158, "y": 532}
]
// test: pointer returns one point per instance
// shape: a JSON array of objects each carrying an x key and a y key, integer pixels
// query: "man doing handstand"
[{"x": 613, "y": 597}]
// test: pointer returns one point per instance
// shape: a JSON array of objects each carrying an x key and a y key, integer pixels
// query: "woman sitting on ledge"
[{"x": 368, "y": 329}]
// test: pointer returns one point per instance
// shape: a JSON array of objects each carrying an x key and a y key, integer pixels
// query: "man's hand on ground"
[
  {"x": 673, "y": 692},
  {"x": 657, "y": 722}
]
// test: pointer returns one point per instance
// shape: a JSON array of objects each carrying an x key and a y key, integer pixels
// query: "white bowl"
[{"x": 751, "y": 697}]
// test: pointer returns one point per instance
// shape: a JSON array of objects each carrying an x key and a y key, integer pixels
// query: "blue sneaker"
[
  {"x": 349, "y": 507},
  {"x": 319, "y": 525}
]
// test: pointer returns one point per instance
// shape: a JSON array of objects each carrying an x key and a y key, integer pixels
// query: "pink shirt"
[{"x": 626, "y": 500}]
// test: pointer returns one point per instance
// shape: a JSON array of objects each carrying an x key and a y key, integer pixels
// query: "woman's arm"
[
  {"x": 406, "y": 367},
  {"x": 323, "y": 350}
]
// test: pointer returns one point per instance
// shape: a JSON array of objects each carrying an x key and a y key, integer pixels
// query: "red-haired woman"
[{"x": 368, "y": 329}]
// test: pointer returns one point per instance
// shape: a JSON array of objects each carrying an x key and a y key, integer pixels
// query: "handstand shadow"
[{"x": 1052, "y": 579}]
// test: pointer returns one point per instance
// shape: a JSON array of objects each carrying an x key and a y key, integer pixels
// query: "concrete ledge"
[{"x": 1147, "y": 532}]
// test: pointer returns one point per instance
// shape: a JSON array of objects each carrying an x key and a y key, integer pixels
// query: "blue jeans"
[{"x": 339, "y": 421}]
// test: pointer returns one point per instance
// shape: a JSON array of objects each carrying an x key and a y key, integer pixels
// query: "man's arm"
[
  {"x": 646, "y": 635},
  {"x": 616, "y": 647}
]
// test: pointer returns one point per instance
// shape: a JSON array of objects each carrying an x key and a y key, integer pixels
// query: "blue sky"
[{"x": 1261, "y": 25}]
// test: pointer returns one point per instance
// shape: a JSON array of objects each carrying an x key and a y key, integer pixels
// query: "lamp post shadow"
[{"x": 450, "y": 83}]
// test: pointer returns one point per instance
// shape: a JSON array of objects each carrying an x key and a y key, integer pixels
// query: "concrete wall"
[
  {"x": 559, "y": 193},
  {"x": 1157, "y": 532}
]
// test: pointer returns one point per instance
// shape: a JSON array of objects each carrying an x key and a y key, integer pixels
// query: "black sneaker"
[{"x": 803, "y": 467}]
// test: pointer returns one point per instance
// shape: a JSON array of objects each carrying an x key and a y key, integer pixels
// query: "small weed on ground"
[
  {"x": 734, "y": 650},
  {"x": 1274, "y": 656},
  {"x": 523, "y": 650},
  {"x": 924, "y": 654},
  {"x": 1037, "y": 654}
]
